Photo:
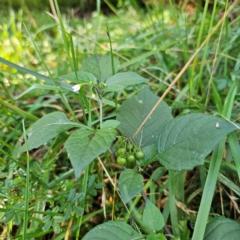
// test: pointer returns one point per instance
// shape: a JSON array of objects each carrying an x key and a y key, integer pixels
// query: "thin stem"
[
  {"x": 172, "y": 205},
  {"x": 26, "y": 203}
]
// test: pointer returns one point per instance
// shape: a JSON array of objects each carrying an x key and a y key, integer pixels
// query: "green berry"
[
  {"x": 130, "y": 146},
  {"x": 121, "y": 151},
  {"x": 120, "y": 139},
  {"x": 121, "y": 160},
  {"x": 131, "y": 158},
  {"x": 139, "y": 154}
]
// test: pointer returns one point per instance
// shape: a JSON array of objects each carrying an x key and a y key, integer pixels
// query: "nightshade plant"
[{"x": 179, "y": 143}]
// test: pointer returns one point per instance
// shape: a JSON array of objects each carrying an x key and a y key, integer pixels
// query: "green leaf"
[
  {"x": 100, "y": 66},
  {"x": 135, "y": 109},
  {"x": 47, "y": 224},
  {"x": 68, "y": 212},
  {"x": 112, "y": 230},
  {"x": 79, "y": 77},
  {"x": 221, "y": 229},
  {"x": 78, "y": 210},
  {"x": 71, "y": 194},
  {"x": 153, "y": 217},
  {"x": 130, "y": 184},
  {"x": 58, "y": 219},
  {"x": 119, "y": 81},
  {"x": 8, "y": 215},
  {"x": 85, "y": 145},
  {"x": 187, "y": 140},
  {"x": 44, "y": 130},
  {"x": 56, "y": 228},
  {"x": 110, "y": 123},
  {"x": 99, "y": 185}
]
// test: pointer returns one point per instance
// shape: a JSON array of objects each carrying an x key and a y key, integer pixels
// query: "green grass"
[{"x": 192, "y": 63}]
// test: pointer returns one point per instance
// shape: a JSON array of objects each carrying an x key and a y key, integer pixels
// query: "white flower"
[{"x": 76, "y": 88}]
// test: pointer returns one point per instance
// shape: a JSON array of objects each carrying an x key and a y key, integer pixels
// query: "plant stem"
[
  {"x": 26, "y": 201},
  {"x": 172, "y": 204}
]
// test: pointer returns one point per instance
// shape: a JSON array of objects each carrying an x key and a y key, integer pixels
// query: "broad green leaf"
[
  {"x": 130, "y": 184},
  {"x": 110, "y": 123},
  {"x": 222, "y": 229},
  {"x": 119, "y": 81},
  {"x": 112, "y": 230},
  {"x": 187, "y": 140},
  {"x": 100, "y": 66},
  {"x": 80, "y": 77},
  {"x": 83, "y": 146},
  {"x": 44, "y": 130},
  {"x": 153, "y": 217},
  {"x": 135, "y": 109}
]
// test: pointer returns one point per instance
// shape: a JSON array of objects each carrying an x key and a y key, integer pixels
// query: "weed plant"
[{"x": 123, "y": 126}]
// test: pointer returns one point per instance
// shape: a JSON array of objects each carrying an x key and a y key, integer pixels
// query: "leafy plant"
[
  {"x": 183, "y": 142},
  {"x": 140, "y": 140}
]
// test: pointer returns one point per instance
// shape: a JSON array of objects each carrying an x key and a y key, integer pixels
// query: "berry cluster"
[{"x": 127, "y": 151}]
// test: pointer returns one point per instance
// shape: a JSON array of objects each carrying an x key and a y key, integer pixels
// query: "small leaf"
[
  {"x": 119, "y": 81},
  {"x": 100, "y": 66},
  {"x": 130, "y": 184},
  {"x": 153, "y": 217},
  {"x": 68, "y": 212},
  {"x": 56, "y": 228},
  {"x": 78, "y": 197},
  {"x": 222, "y": 228},
  {"x": 78, "y": 210},
  {"x": 71, "y": 194},
  {"x": 91, "y": 180},
  {"x": 47, "y": 224},
  {"x": 110, "y": 123},
  {"x": 80, "y": 77},
  {"x": 99, "y": 185},
  {"x": 112, "y": 231},
  {"x": 85, "y": 145},
  {"x": 187, "y": 140},
  {"x": 58, "y": 219},
  {"x": 44, "y": 130},
  {"x": 135, "y": 109},
  {"x": 8, "y": 215}
]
